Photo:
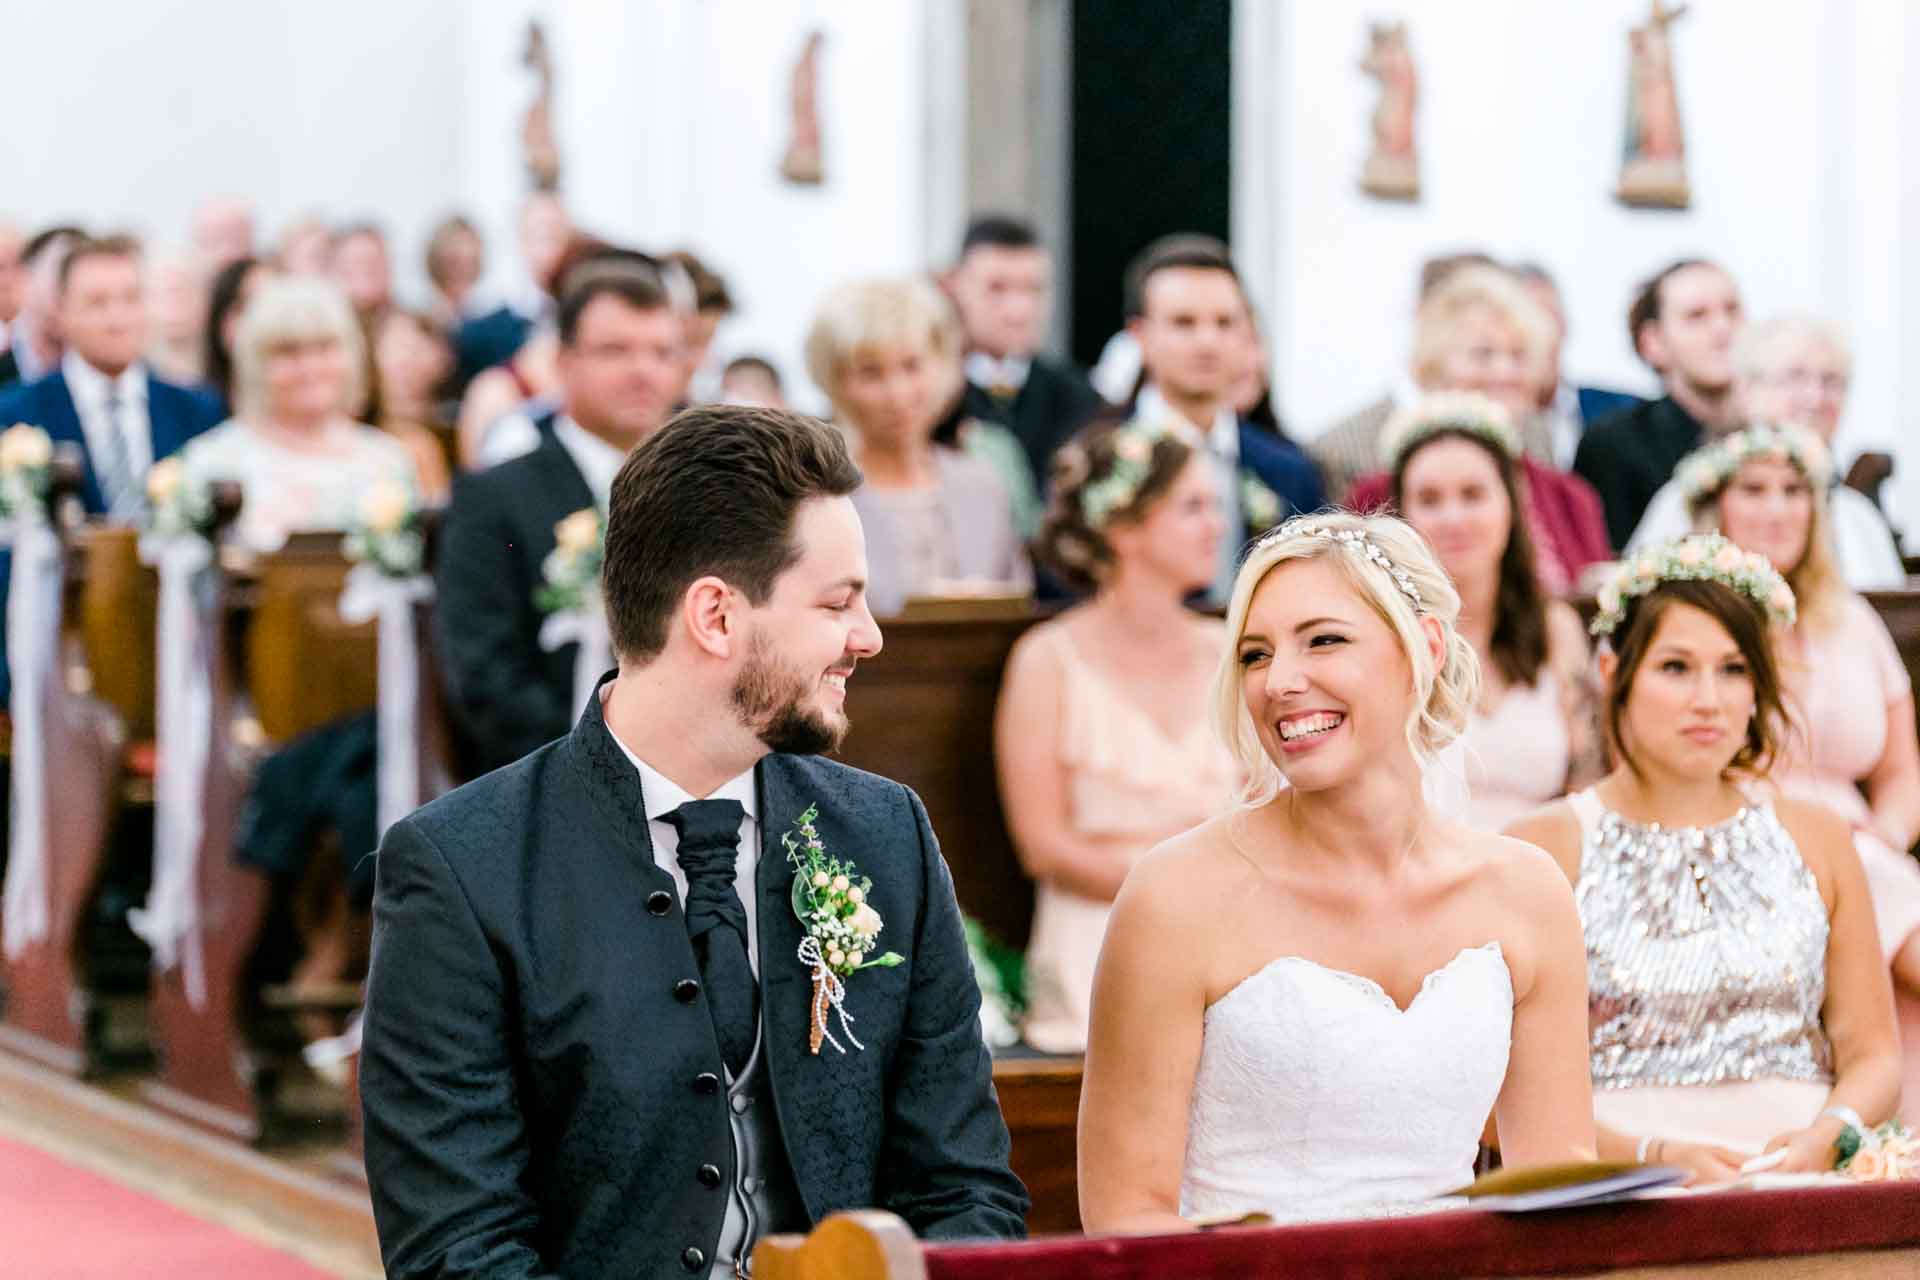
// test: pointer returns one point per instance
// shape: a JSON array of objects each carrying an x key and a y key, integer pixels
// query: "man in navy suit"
[
  {"x": 1190, "y": 317},
  {"x": 592, "y": 1039},
  {"x": 102, "y": 399}
]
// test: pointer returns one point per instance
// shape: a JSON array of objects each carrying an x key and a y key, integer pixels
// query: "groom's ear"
[{"x": 711, "y": 619}]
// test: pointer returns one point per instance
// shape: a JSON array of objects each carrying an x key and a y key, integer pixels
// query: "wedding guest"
[
  {"x": 620, "y": 372},
  {"x": 1310, "y": 1006},
  {"x": 233, "y": 287},
  {"x": 1568, "y": 410},
  {"x": 456, "y": 261},
  {"x": 178, "y": 298},
  {"x": 33, "y": 334},
  {"x": 412, "y": 357},
  {"x": 1455, "y": 478},
  {"x": 1478, "y": 332},
  {"x": 1252, "y": 392},
  {"x": 1190, "y": 318},
  {"x": 362, "y": 267},
  {"x": 1739, "y": 1002},
  {"x": 1683, "y": 323},
  {"x": 306, "y": 247},
  {"x": 1100, "y": 743},
  {"x": 1855, "y": 749},
  {"x": 222, "y": 234},
  {"x": 13, "y": 288},
  {"x": 546, "y": 240},
  {"x": 1796, "y": 369},
  {"x": 938, "y": 518},
  {"x": 752, "y": 381},
  {"x": 1002, "y": 286},
  {"x": 712, "y": 303},
  {"x": 300, "y": 459}
]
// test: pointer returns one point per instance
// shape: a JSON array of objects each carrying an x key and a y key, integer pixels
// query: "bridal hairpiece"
[
  {"x": 1358, "y": 539},
  {"x": 1708, "y": 469},
  {"x": 1465, "y": 411},
  {"x": 1699, "y": 557}
]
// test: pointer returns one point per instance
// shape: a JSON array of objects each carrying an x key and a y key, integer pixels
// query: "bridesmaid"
[
  {"x": 1455, "y": 478},
  {"x": 1737, "y": 1000},
  {"x": 1101, "y": 737}
]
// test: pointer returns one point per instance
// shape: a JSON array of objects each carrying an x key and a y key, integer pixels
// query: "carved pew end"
[{"x": 864, "y": 1244}]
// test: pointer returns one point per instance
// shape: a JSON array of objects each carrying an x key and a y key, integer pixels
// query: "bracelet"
[{"x": 1848, "y": 1117}]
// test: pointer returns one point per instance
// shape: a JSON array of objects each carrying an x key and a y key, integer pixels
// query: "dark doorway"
[{"x": 1152, "y": 101}]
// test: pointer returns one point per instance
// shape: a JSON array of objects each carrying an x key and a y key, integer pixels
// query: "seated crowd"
[{"x": 1781, "y": 741}]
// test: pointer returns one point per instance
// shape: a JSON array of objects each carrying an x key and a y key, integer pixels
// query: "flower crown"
[
  {"x": 1133, "y": 444},
  {"x": 1428, "y": 416},
  {"x": 1706, "y": 470},
  {"x": 1367, "y": 547},
  {"x": 1699, "y": 557}
]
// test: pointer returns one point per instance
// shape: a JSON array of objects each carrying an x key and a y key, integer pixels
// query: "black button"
[
  {"x": 686, "y": 991},
  {"x": 709, "y": 1175},
  {"x": 693, "y": 1259},
  {"x": 706, "y": 1082},
  {"x": 659, "y": 902}
]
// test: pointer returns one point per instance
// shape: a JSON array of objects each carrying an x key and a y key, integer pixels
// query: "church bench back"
[{"x": 306, "y": 666}]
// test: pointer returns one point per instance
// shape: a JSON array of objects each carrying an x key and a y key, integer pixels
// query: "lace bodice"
[{"x": 1318, "y": 1098}]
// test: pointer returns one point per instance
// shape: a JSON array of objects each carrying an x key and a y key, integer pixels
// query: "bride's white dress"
[{"x": 1317, "y": 1097}]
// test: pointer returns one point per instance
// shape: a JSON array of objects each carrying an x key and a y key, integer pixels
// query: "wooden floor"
[{"x": 300, "y": 1203}]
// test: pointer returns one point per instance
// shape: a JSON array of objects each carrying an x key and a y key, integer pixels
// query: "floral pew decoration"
[
  {"x": 33, "y": 625},
  {"x": 569, "y": 596}
]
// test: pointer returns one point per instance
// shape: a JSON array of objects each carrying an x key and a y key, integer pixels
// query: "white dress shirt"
[
  {"x": 1223, "y": 437},
  {"x": 90, "y": 388},
  {"x": 598, "y": 460},
  {"x": 662, "y": 796},
  {"x": 989, "y": 374}
]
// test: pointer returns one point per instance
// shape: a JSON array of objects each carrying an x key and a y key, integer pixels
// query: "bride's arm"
[
  {"x": 1143, "y": 1049},
  {"x": 1545, "y": 1110}
]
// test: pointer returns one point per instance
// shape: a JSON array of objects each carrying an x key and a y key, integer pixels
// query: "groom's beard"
[{"x": 772, "y": 701}]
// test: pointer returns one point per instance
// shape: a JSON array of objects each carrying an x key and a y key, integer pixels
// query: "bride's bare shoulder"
[{"x": 1188, "y": 866}]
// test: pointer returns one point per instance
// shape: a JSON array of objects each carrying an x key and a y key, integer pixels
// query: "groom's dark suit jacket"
[{"x": 533, "y": 1087}]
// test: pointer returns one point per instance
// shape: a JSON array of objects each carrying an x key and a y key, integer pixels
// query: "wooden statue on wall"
[
  {"x": 803, "y": 163},
  {"x": 1653, "y": 170},
  {"x": 1393, "y": 166},
  {"x": 537, "y": 141}
]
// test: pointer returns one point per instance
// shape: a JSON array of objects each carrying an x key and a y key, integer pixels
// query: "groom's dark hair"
[{"x": 714, "y": 491}]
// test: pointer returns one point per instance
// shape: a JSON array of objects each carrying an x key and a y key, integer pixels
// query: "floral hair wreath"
[
  {"x": 1467, "y": 411},
  {"x": 1133, "y": 445},
  {"x": 1707, "y": 470},
  {"x": 1699, "y": 557},
  {"x": 1367, "y": 547}
]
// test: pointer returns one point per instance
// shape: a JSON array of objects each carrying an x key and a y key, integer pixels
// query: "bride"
[{"x": 1309, "y": 1007}]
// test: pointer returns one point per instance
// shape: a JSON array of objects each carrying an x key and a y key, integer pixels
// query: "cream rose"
[
  {"x": 578, "y": 532},
  {"x": 163, "y": 481},
  {"x": 385, "y": 507},
  {"x": 23, "y": 446}
]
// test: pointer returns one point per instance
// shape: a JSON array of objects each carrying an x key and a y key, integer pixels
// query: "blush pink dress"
[
  {"x": 1132, "y": 783},
  {"x": 1840, "y": 680},
  {"x": 1517, "y": 755}
]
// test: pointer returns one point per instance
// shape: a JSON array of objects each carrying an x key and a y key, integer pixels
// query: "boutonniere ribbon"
[{"x": 839, "y": 925}]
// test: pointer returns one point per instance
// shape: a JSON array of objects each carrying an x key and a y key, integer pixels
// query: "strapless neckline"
[{"x": 1360, "y": 982}]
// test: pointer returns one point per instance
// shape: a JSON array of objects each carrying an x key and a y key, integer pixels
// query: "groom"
[{"x": 588, "y": 1025}]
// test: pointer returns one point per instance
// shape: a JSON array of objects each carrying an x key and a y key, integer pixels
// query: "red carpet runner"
[{"x": 60, "y": 1222}]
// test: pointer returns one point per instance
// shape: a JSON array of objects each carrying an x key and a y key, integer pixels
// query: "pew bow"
[
  {"x": 372, "y": 594},
  {"x": 587, "y": 627},
  {"x": 33, "y": 644},
  {"x": 183, "y": 724}
]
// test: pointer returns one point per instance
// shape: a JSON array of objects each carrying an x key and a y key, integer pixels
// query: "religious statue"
[
  {"x": 536, "y": 132},
  {"x": 1653, "y": 170},
  {"x": 802, "y": 163},
  {"x": 1393, "y": 166}
]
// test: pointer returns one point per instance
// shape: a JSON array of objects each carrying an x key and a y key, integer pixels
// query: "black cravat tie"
[{"x": 717, "y": 922}]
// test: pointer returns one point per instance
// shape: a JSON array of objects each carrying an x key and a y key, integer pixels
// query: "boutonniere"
[
  {"x": 841, "y": 927},
  {"x": 570, "y": 575},
  {"x": 1260, "y": 506}
]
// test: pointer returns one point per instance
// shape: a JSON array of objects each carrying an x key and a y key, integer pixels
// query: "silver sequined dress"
[{"x": 1706, "y": 971}]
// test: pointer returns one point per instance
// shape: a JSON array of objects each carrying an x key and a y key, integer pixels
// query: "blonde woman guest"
[
  {"x": 1854, "y": 748},
  {"x": 938, "y": 521},
  {"x": 1311, "y": 1005},
  {"x": 1739, "y": 1002},
  {"x": 301, "y": 461},
  {"x": 1100, "y": 740},
  {"x": 1455, "y": 477},
  {"x": 1797, "y": 369}
]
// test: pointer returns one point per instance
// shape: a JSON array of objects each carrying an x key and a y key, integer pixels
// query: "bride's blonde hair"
[{"x": 1389, "y": 564}]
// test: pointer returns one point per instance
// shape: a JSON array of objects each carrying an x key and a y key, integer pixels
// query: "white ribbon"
[
  {"x": 588, "y": 627},
  {"x": 33, "y": 643},
  {"x": 811, "y": 956},
  {"x": 183, "y": 727},
  {"x": 369, "y": 593}
]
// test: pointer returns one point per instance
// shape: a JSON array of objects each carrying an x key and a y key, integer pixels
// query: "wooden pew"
[
  {"x": 282, "y": 664},
  {"x": 1040, "y": 1097},
  {"x": 1813, "y": 1233}
]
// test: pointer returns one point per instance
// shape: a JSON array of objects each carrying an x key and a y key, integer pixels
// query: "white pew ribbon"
[
  {"x": 33, "y": 645},
  {"x": 183, "y": 728},
  {"x": 588, "y": 627},
  {"x": 370, "y": 593}
]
